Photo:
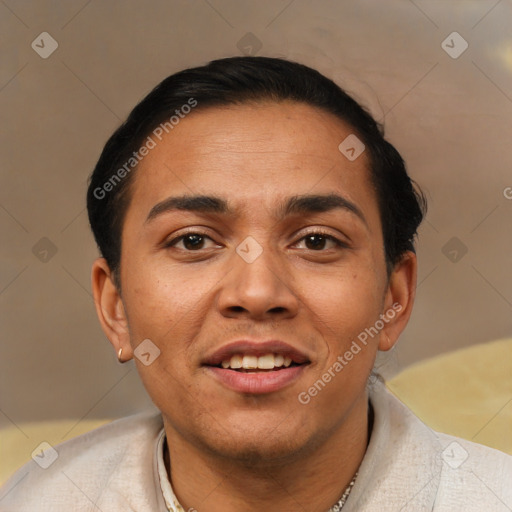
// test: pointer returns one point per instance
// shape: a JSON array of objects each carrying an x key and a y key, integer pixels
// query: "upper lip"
[{"x": 255, "y": 348}]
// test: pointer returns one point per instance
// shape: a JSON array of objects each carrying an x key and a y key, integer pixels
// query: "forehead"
[{"x": 252, "y": 154}]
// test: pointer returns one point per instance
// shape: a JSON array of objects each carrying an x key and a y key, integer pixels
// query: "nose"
[{"x": 258, "y": 290}]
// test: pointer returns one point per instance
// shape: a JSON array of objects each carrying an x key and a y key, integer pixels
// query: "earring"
[{"x": 119, "y": 356}]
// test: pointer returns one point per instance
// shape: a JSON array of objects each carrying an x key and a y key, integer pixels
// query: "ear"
[
  {"x": 110, "y": 308},
  {"x": 399, "y": 300}
]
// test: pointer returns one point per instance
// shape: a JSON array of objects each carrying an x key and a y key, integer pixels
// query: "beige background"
[{"x": 451, "y": 118}]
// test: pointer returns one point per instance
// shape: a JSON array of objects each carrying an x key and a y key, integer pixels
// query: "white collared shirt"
[{"x": 407, "y": 467}]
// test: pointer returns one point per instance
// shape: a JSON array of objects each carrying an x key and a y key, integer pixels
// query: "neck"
[{"x": 315, "y": 479}]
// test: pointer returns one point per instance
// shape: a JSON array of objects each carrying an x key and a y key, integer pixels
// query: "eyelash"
[{"x": 326, "y": 235}]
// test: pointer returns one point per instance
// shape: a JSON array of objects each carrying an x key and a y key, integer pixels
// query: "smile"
[
  {"x": 250, "y": 363},
  {"x": 250, "y": 374},
  {"x": 256, "y": 367}
]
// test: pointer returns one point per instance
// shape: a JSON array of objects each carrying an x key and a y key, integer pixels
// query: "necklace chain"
[
  {"x": 339, "y": 504},
  {"x": 335, "y": 508}
]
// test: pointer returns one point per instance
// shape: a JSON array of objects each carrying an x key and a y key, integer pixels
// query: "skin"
[{"x": 233, "y": 451}]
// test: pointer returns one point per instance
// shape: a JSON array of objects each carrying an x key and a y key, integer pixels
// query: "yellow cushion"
[
  {"x": 466, "y": 393},
  {"x": 16, "y": 446}
]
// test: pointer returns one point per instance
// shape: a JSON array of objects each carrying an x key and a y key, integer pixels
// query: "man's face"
[{"x": 290, "y": 281}]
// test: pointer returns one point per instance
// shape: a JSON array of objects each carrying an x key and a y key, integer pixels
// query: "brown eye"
[
  {"x": 189, "y": 241},
  {"x": 193, "y": 241},
  {"x": 315, "y": 242},
  {"x": 320, "y": 241}
]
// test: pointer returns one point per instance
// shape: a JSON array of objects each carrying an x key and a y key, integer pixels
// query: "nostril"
[{"x": 278, "y": 309}]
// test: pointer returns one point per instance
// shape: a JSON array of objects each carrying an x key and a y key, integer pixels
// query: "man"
[{"x": 256, "y": 233}]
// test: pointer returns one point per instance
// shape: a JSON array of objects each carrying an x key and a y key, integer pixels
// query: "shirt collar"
[
  {"x": 402, "y": 450},
  {"x": 170, "y": 499}
]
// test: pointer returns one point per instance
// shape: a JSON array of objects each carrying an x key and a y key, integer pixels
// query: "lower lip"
[{"x": 257, "y": 382}]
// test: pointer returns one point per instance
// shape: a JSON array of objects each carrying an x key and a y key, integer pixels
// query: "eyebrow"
[{"x": 294, "y": 205}]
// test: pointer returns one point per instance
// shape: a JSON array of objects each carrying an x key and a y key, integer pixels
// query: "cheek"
[
  {"x": 343, "y": 310},
  {"x": 165, "y": 306},
  {"x": 159, "y": 303},
  {"x": 345, "y": 303}
]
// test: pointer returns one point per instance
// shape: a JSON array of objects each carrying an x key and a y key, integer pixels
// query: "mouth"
[
  {"x": 248, "y": 363},
  {"x": 256, "y": 368}
]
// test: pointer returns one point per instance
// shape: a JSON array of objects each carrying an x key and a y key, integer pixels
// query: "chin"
[
  {"x": 258, "y": 451},
  {"x": 260, "y": 444}
]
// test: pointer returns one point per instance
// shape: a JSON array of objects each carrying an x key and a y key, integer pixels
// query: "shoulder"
[
  {"x": 475, "y": 475},
  {"x": 410, "y": 466},
  {"x": 81, "y": 469}
]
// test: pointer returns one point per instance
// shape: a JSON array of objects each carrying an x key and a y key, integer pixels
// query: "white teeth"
[
  {"x": 266, "y": 362},
  {"x": 248, "y": 362},
  {"x": 235, "y": 362}
]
